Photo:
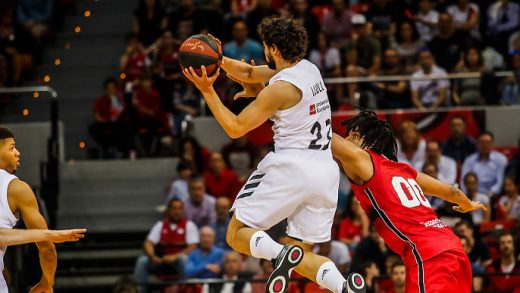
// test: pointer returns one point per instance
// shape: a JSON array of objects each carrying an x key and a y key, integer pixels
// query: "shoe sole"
[
  {"x": 356, "y": 284},
  {"x": 279, "y": 280}
]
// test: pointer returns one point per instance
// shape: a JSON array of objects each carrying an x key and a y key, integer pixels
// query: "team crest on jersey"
[{"x": 312, "y": 109}]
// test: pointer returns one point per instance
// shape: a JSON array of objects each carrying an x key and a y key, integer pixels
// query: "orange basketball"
[{"x": 201, "y": 50}]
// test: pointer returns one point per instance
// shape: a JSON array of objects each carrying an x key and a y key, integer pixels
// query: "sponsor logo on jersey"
[
  {"x": 436, "y": 223},
  {"x": 312, "y": 109}
]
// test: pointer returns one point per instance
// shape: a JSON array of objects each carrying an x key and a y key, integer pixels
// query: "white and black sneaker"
[
  {"x": 354, "y": 284},
  {"x": 287, "y": 259}
]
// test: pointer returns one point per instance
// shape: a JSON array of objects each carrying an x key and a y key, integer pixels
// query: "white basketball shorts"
[{"x": 298, "y": 185}]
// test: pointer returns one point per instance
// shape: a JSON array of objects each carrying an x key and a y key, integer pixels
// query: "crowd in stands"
[{"x": 152, "y": 101}]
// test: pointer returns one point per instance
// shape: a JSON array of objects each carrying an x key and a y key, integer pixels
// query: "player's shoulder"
[{"x": 18, "y": 187}]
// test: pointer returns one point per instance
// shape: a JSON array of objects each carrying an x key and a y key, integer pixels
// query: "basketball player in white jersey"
[
  {"x": 299, "y": 180},
  {"x": 17, "y": 201},
  {"x": 10, "y": 237}
]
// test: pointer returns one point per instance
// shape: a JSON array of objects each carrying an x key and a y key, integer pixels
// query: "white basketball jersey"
[
  {"x": 307, "y": 125},
  {"x": 7, "y": 219}
]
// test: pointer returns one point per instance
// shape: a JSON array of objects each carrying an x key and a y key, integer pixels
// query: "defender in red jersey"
[{"x": 392, "y": 195}]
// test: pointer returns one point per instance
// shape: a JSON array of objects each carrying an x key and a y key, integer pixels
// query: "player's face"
[
  {"x": 355, "y": 138},
  {"x": 9, "y": 155},
  {"x": 398, "y": 276},
  {"x": 269, "y": 57}
]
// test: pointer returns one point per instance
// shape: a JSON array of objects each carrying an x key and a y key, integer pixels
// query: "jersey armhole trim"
[{"x": 369, "y": 179}]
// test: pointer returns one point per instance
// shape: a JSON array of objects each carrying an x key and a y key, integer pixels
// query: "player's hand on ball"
[
  {"x": 60, "y": 236},
  {"x": 472, "y": 206},
  {"x": 204, "y": 83}
]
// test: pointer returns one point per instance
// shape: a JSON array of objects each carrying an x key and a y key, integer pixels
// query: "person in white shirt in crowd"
[
  {"x": 508, "y": 206},
  {"x": 488, "y": 164},
  {"x": 447, "y": 166},
  {"x": 426, "y": 20},
  {"x": 179, "y": 187},
  {"x": 471, "y": 183},
  {"x": 431, "y": 170},
  {"x": 410, "y": 145},
  {"x": 429, "y": 94},
  {"x": 466, "y": 17}
]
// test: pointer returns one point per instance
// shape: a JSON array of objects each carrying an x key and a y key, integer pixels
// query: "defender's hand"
[
  {"x": 472, "y": 206},
  {"x": 249, "y": 90},
  {"x": 203, "y": 83}
]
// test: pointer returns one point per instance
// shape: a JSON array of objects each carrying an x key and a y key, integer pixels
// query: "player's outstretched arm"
[
  {"x": 19, "y": 236},
  {"x": 246, "y": 72},
  {"x": 432, "y": 186},
  {"x": 355, "y": 161},
  {"x": 262, "y": 108}
]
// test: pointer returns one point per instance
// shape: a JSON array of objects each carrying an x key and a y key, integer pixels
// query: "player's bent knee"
[{"x": 233, "y": 227}]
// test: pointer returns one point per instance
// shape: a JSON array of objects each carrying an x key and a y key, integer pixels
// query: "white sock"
[
  {"x": 329, "y": 277},
  {"x": 263, "y": 246}
]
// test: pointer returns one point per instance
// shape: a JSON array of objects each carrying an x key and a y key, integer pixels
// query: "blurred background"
[{"x": 114, "y": 139}]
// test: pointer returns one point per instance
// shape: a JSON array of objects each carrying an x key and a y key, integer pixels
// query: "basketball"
[{"x": 201, "y": 50}]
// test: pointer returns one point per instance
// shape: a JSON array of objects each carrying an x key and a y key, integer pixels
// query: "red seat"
[
  {"x": 320, "y": 11},
  {"x": 508, "y": 151}
]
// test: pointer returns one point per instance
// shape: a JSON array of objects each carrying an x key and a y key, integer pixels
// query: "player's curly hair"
[
  {"x": 288, "y": 35},
  {"x": 378, "y": 135}
]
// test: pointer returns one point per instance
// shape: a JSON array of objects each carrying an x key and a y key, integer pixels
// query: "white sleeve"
[
  {"x": 155, "y": 234},
  {"x": 192, "y": 233},
  {"x": 444, "y": 83}
]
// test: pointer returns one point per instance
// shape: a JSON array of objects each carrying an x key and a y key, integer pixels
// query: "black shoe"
[
  {"x": 354, "y": 284},
  {"x": 289, "y": 257}
]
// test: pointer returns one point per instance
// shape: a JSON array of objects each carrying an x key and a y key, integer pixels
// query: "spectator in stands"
[
  {"x": 411, "y": 146},
  {"x": 426, "y": 20},
  {"x": 167, "y": 69},
  {"x": 370, "y": 273},
  {"x": 432, "y": 170},
  {"x": 507, "y": 265},
  {"x": 471, "y": 183},
  {"x": 134, "y": 61},
  {"x": 200, "y": 206},
  {"x": 466, "y": 18},
  {"x": 513, "y": 169},
  {"x": 336, "y": 251},
  {"x": 300, "y": 11},
  {"x": 371, "y": 248},
  {"x": 509, "y": 88},
  {"x": 458, "y": 146},
  {"x": 337, "y": 24},
  {"x": 429, "y": 94},
  {"x": 126, "y": 284},
  {"x": 167, "y": 245},
  {"x": 467, "y": 91},
  {"x": 367, "y": 47},
  {"x": 502, "y": 20},
  {"x": 446, "y": 46},
  {"x": 447, "y": 166},
  {"x": 242, "y": 47},
  {"x": 262, "y": 9},
  {"x": 34, "y": 16},
  {"x": 179, "y": 187},
  {"x": 149, "y": 21},
  {"x": 150, "y": 120},
  {"x": 489, "y": 165},
  {"x": 231, "y": 272},
  {"x": 193, "y": 152},
  {"x": 508, "y": 205},
  {"x": 188, "y": 19},
  {"x": 267, "y": 269},
  {"x": 240, "y": 155},
  {"x": 393, "y": 94},
  {"x": 206, "y": 260},
  {"x": 16, "y": 49},
  {"x": 478, "y": 280},
  {"x": 186, "y": 105},
  {"x": 222, "y": 207},
  {"x": 477, "y": 250},
  {"x": 354, "y": 225},
  {"x": 398, "y": 276},
  {"x": 106, "y": 130},
  {"x": 221, "y": 181},
  {"x": 328, "y": 60},
  {"x": 382, "y": 16},
  {"x": 407, "y": 44}
]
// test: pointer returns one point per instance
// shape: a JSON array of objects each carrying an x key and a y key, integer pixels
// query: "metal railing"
[{"x": 382, "y": 78}]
